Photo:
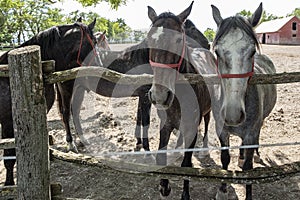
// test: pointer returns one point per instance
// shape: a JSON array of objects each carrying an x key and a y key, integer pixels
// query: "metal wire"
[{"x": 180, "y": 150}]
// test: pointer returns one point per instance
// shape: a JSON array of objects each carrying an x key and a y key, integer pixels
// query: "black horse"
[
  {"x": 133, "y": 60},
  {"x": 180, "y": 106},
  {"x": 68, "y": 45}
]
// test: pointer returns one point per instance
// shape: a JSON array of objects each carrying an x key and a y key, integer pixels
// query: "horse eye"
[{"x": 217, "y": 53}]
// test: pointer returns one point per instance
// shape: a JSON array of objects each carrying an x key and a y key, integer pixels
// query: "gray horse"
[{"x": 243, "y": 107}]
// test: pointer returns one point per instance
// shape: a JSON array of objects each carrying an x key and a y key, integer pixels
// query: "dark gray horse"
[
  {"x": 133, "y": 60},
  {"x": 243, "y": 107},
  {"x": 180, "y": 106}
]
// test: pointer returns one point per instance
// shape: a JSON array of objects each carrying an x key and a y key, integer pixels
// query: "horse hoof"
[
  {"x": 73, "y": 147},
  {"x": 138, "y": 147},
  {"x": 185, "y": 196},
  {"x": 256, "y": 159},
  {"x": 241, "y": 163},
  {"x": 9, "y": 183},
  {"x": 221, "y": 195},
  {"x": 164, "y": 192}
]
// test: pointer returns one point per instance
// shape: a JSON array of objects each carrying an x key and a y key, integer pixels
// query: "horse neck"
[
  {"x": 4, "y": 57},
  {"x": 127, "y": 60},
  {"x": 186, "y": 66}
]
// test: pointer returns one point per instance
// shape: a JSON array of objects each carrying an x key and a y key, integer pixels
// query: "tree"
[
  {"x": 296, "y": 13},
  {"x": 265, "y": 16},
  {"x": 138, "y": 35},
  {"x": 113, "y": 3},
  {"x": 25, "y": 18},
  {"x": 209, "y": 34}
]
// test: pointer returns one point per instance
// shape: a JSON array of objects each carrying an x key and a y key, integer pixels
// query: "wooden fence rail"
[{"x": 126, "y": 79}]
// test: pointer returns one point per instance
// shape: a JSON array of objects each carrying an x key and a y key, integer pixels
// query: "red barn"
[{"x": 280, "y": 31}]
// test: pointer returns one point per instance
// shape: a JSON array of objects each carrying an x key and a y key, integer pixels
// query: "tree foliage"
[
  {"x": 265, "y": 16},
  {"x": 21, "y": 19},
  {"x": 209, "y": 34},
  {"x": 295, "y": 12},
  {"x": 113, "y": 3}
]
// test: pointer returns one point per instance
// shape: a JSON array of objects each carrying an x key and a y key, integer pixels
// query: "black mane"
[
  {"x": 235, "y": 22},
  {"x": 45, "y": 39}
]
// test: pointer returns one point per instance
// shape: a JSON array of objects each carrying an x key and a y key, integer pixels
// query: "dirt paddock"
[{"x": 109, "y": 124}]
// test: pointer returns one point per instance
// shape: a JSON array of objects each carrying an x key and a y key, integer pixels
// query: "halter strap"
[
  {"x": 245, "y": 75},
  {"x": 80, "y": 46},
  {"x": 171, "y": 65}
]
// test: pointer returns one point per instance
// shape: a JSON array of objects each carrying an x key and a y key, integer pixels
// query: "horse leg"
[
  {"x": 64, "y": 96},
  {"x": 205, "y": 153},
  {"x": 77, "y": 99},
  {"x": 241, "y": 161},
  {"x": 241, "y": 157},
  {"x": 161, "y": 158},
  {"x": 247, "y": 166},
  {"x": 187, "y": 162},
  {"x": 138, "y": 126},
  {"x": 225, "y": 159},
  {"x": 146, "y": 109},
  {"x": 8, "y": 132}
]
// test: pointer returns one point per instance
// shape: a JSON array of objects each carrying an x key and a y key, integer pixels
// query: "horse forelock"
[{"x": 235, "y": 22}]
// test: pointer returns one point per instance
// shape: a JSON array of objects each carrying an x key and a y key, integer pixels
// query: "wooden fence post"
[{"x": 30, "y": 123}]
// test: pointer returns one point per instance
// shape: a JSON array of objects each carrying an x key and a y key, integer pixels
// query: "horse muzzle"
[{"x": 162, "y": 100}]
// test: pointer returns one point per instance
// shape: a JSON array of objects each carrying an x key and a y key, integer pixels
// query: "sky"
[{"x": 135, "y": 11}]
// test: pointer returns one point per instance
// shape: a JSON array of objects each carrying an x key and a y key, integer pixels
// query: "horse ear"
[
  {"x": 182, "y": 16},
  {"x": 254, "y": 20},
  {"x": 216, "y": 15},
  {"x": 152, "y": 14},
  {"x": 79, "y": 19},
  {"x": 104, "y": 32},
  {"x": 92, "y": 25}
]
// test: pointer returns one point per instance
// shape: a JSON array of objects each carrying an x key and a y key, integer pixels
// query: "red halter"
[
  {"x": 80, "y": 47},
  {"x": 176, "y": 65},
  {"x": 245, "y": 75}
]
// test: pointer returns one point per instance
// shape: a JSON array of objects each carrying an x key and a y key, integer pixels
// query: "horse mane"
[
  {"x": 235, "y": 22},
  {"x": 195, "y": 35},
  {"x": 45, "y": 39}
]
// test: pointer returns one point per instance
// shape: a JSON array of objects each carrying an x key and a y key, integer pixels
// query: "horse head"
[
  {"x": 235, "y": 45},
  {"x": 102, "y": 40},
  {"x": 167, "y": 46}
]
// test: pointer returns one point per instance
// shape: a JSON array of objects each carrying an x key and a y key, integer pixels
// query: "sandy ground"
[{"x": 109, "y": 124}]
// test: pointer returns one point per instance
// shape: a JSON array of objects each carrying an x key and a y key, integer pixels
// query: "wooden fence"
[{"x": 29, "y": 114}]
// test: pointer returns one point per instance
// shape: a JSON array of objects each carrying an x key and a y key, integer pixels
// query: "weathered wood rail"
[
  {"x": 255, "y": 176},
  {"x": 126, "y": 79}
]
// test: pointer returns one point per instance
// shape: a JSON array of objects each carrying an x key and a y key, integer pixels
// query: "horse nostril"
[{"x": 242, "y": 118}]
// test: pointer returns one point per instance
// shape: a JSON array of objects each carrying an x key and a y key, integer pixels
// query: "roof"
[{"x": 273, "y": 25}]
